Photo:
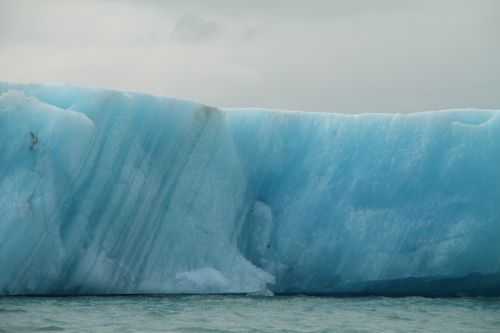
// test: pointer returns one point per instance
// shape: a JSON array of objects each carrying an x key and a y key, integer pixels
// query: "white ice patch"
[{"x": 206, "y": 280}]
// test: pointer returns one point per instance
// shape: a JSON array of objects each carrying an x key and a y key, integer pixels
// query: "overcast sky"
[{"x": 314, "y": 55}]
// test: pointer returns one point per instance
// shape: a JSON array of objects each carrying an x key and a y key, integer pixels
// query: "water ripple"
[{"x": 230, "y": 314}]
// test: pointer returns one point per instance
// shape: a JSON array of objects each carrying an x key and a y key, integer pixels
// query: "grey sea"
[{"x": 248, "y": 314}]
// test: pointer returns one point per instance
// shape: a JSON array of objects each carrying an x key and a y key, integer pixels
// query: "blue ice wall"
[
  {"x": 348, "y": 199},
  {"x": 107, "y": 192},
  {"x": 123, "y": 193}
]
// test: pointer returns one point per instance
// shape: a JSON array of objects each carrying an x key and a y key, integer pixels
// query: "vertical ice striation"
[
  {"x": 107, "y": 192},
  {"x": 123, "y": 193}
]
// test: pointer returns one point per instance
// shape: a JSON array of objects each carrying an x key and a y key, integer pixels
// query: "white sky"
[{"x": 313, "y": 55}]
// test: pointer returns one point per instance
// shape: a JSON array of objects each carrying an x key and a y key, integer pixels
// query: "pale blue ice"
[{"x": 104, "y": 192}]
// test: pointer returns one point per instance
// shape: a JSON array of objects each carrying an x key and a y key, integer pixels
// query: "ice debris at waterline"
[{"x": 103, "y": 192}]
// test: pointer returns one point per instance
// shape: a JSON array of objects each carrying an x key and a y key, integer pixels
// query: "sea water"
[{"x": 248, "y": 314}]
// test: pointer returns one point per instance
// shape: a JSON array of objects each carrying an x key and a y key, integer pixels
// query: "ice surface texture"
[{"x": 103, "y": 192}]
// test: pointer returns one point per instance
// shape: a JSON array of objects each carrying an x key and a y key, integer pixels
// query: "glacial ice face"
[
  {"x": 351, "y": 199},
  {"x": 122, "y": 194},
  {"x": 108, "y": 192}
]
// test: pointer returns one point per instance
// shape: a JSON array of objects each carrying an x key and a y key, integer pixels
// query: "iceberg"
[{"x": 107, "y": 192}]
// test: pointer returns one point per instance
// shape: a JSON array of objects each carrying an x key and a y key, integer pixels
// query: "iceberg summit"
[{"x": 106, "y": 192}]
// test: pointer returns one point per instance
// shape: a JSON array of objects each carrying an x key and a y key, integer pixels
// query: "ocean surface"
[{"x": 248, "y": 314}]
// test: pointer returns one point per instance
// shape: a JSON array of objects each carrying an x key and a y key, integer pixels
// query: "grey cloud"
[
  {"x": 343, "y": 56},
  {"x": 278, "y": 9},
  {"x": 191, "y": 28}
]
